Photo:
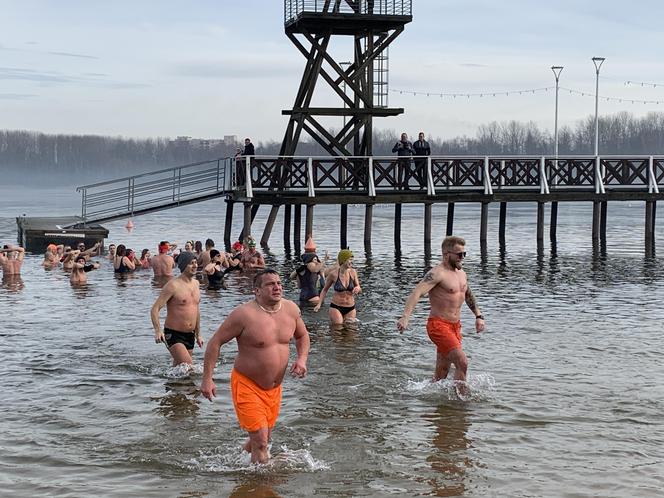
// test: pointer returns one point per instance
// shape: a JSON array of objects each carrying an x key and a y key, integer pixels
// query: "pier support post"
[
  {"x": 248, "y": 217},
  {"x": 602, "y": 221},
  {"x": 274, "y": 211},
  {"x": 650, "y": 228},
  {"x": 287, "y": 220},
  {"x": 450, "y": 219},
  {"x": 228, "y": 225},
  {"x": 484, "y": 223},
  {"x": 297, "y": 228},
  {"x": 427, "y": 228},
  {"x": 502, "y": 220},
  {"x": 343, "y": 227},
  {"x": 540, "y": 227},
  {"x": 397, "y": 228},
  {"x": 368, "y": 221},
  {"x": 553, "y": 226},
  {"x": 309, "y": 224},
  {"x": 596, "y": 222},
  {"x": 246, "y": 227}
]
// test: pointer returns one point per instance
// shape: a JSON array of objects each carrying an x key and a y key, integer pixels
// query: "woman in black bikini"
[
  {"x": 346, "y": 286},
  {"x": 215, "y": 271}
]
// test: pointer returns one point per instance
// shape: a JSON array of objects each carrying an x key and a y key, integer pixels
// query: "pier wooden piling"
[
  {"x": 343, "y": 227},
  {"x": 484, "y": 222},
  {"x": 553, "y": 225},
  {"x": 269, "y": 224},
  {"x": 450, "y": 219},
  {"x": 540, "y": 227},
  {"x": 287, "y": 224},
  {"x": 228, "y": 224},
  {"x": 297, "y": 228},
  {"x": 397, "y": 228},
  {"x": 502, "y": 220},
  {"x": 368, "y": 221},
  {"x": 427, "y": 227},
  {"x": 309, "y": 224}
]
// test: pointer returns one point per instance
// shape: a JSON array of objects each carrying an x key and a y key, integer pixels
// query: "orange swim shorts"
[
  {"x": 445, "y": 335},
  {"x": 255, "y": 407}
]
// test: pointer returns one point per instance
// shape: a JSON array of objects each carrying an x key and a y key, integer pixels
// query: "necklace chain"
[{"x": 269, "y": 311}]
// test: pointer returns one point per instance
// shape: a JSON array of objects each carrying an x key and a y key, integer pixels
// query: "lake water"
[{"x": 567, "y": 380}]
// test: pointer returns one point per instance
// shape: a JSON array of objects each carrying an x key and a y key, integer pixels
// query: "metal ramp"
[{"x": 155, "y": 191}]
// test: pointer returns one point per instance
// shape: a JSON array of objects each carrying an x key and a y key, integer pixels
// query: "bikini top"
[{"x": 340, "y": 287}]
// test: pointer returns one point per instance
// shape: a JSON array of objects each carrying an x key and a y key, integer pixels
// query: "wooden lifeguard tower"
[{"x": 361, "y": 86}]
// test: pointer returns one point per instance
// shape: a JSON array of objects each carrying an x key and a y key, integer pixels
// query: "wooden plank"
[
  {"x": 297, "y": 228},
  {"x": 540, "y": 226},
  {"x": 309, "y": 225},
  {"x": 287, "y": 225},
  {"x": 595, "y": 225},
  {"x": 427, "y": 227},
  {"x": 484, "y": 222},
  {"x": 553, "y": 225}
]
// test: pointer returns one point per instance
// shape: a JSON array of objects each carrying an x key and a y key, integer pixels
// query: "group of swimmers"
[{"x": 265, "y": 326}]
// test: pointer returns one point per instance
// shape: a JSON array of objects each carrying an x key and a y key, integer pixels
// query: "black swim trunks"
[{"x": 175, "y": 337}]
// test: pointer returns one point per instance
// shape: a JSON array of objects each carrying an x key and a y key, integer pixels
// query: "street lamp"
[
  {"x": 556, "y": 72},
  {"x": 598, "y": 61}
]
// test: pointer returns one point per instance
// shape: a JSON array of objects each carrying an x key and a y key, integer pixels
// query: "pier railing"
[
  {"x": 293, "y": 8},
  {"x": 147, "y": 192},
  {"x": 438, "y": 174}
]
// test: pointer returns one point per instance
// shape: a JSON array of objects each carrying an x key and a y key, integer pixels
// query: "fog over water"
[{"x": 567, "y": 396}]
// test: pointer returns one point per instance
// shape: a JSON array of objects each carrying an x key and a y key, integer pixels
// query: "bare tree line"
[{"x": 34, "y": 158}]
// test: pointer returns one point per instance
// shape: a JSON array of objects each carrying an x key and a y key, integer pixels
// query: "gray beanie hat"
[{"x": 184, "y": 259}]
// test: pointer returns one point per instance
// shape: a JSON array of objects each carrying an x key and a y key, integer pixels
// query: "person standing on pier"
[
  {"x": 182, "y": 297},
  {"x": 263, "y": 329},
  {"x": 421, "y": 148},
  {"x": 448, "y": 288},
  {"x": 248, "y": 148},
  {"x": 404, "y": 149},
  {"x": 11, "y": 260}
]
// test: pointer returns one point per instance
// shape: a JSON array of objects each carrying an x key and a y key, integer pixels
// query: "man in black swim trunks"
[{"x": 182, "y": 297}]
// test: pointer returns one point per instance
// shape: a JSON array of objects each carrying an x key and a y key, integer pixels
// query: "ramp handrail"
[{"x": 151, "y": 190}]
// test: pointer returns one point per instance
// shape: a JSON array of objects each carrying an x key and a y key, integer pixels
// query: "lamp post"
[
  {"x": 598, "y": 61},
  {"x": 556, "y": 72}
]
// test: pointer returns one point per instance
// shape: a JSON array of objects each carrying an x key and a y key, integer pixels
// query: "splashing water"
[
  {"x": 481, "y": 387},
  {"x": 232, "y": 460}
]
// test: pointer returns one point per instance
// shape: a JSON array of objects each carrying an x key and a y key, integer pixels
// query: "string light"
[
  {"x": 468, "y": 95},
  {"x": 643, "y": 83},
  {"x": 527, "y": 91}
]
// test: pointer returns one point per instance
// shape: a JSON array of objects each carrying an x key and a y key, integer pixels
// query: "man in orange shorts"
[
  {"x": 263, "y": 329},
  {"x": 448, "y": 288}
]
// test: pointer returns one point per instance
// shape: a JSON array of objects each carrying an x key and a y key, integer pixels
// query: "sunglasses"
[{"x": 458, "y": 254}]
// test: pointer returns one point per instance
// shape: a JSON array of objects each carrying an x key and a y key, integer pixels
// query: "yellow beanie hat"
[{"x": 344, "y": 255}]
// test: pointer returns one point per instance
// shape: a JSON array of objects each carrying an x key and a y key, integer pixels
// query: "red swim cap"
[{"x": 164, "y": 247}]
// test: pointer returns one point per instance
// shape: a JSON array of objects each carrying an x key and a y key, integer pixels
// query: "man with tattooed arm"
[{"x": 447, "y": 287}]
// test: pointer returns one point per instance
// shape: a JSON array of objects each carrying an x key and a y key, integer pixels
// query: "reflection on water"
[
  {"x": 565, "y": 379},
  {"x": 450, "y": 441},
  {"x": 12, "y": 283},
  {"x": 181, "y": 400}
]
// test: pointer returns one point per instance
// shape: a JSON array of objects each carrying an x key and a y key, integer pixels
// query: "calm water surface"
[{"x": 567, "y": 379}]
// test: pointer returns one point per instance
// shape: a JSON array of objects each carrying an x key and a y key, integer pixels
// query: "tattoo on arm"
[
  {"x": 429, "y": 277},
  {"x": 470, "y": 299}
]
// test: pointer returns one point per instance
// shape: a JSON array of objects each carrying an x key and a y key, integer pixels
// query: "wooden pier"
[{"x": 297, "y": 181}]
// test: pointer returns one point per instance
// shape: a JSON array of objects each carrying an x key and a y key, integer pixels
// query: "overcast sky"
[{"x": 212, "y": 68}]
